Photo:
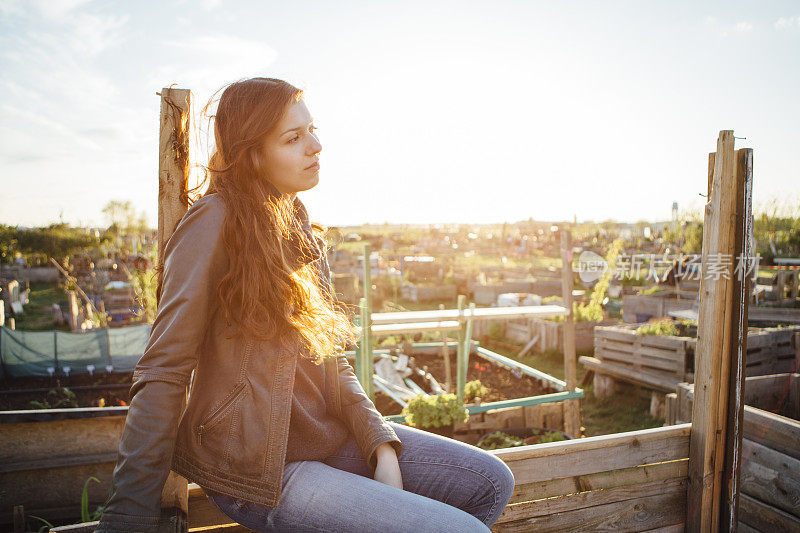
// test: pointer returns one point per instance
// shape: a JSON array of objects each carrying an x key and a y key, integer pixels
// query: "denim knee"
[{"x": 505, "y": 480}]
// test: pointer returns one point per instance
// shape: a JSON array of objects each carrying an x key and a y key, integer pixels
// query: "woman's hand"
[{"x": 387, "y": 469}]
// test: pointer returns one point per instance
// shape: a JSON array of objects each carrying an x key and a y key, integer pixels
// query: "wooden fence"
[{"x": 770, "y": 476}]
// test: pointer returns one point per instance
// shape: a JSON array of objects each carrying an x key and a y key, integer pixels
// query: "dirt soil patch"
[
  {"x": 112, "y": 396},
  {"x": 502, "y": 383}
]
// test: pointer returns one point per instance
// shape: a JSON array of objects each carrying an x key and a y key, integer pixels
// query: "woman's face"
[{"x": 292, "y": 151}]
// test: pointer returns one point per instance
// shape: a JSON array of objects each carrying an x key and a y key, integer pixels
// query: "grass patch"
[{"x": 37, "y": 314}]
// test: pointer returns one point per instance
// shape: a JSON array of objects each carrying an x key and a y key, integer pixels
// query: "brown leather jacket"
[{"x": 233, "y": 433}]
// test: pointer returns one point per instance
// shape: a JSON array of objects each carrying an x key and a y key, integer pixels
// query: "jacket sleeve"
[
  {"x": 194, "y": 261},
  {"x": 365, "y": 422},
  {"x": 359, "y": 414}
]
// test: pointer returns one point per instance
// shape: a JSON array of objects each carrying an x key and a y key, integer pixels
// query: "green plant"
[
  {"x": 47, "y": 525},
  {"x": 652, "y": 290},
  {"x": 435, "y": 411},
  {"x": 658, "y": 327},
  {"x": 63, "y": 397},
  {"x": 85, "y": 515},
  {"x": 553, "y": 436},
  {"x": 550, "y": 299},
  {"x": 498, "y": 439},
  {"x": 495, "y": 330},
  {"x": 593, "y": 311},
  {"x": 474, "y": 389}
]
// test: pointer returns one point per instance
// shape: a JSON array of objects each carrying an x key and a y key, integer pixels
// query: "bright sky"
[{"x": 430, "y": 111}]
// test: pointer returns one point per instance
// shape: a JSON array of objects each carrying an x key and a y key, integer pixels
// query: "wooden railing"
[{"x": 634, "y": 481}]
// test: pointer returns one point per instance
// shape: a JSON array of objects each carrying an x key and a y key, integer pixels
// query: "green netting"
[{"x": 46, "y": 353}]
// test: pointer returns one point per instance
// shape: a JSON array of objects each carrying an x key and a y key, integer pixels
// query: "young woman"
[{"x": 277, "y": 429}]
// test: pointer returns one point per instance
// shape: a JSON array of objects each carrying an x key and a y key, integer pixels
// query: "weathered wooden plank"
[
  {"x": 658, "y": 364},
  {"x": 596, "y": 454},
  {"x": 626, "y": 373},
  {"x": 744, "y": 528},
  {"x": 717, "y": 316},
  {"x": 674, "y": 528},
  {"x": 636, "y": 514},
  {"x": 771, "y": 477},
  {"x": 771, "y": 392},
  {"x": 669, "y": 354},
  {"x": 627, "y": 335},
  {"x": 764, "y": 517},
  {"x": 600, "y": 480},
  {"x": 774, "y": 431},
  {"x": 571, "y": 502}
]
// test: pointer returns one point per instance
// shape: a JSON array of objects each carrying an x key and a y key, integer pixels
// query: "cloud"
[
  {"x": 207, "y": 62},
  {"x": 785, "y": 23},
  {"x": 53, "y": 88},
  {"x": 743, "y": 27}
]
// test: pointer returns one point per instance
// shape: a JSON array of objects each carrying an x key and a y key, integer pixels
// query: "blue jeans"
[{"x": 448, "y": 486}]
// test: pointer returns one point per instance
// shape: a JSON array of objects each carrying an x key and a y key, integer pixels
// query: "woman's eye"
[
  {"x": 312, "y": 128},
  {"x": 293, "y": 139}
]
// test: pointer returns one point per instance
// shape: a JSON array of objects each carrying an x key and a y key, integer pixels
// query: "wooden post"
[
  {"x": 364, "y": 361},
  {"x": 448, "y": 372},
  {"x": 19, "y": 519},
  {"x": 367, "y": 368},
  {"x": 572, "y": 424},
  {"x": 359, "y": 365},
  {"x": 173, "y": 202},
  {"x": 464, "y": 363},
  {"x": 796, "y": 352},
  {"x": 715, "y": 442},
  {"x": 741, "y": 284},
  {"x": 461, "y": 378}
]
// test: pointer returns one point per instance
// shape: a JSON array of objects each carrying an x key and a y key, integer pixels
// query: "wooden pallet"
[{"x": 661, "y": 362}]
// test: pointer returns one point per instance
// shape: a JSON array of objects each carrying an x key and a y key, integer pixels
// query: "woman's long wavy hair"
[{"x": 271, "y": 290}]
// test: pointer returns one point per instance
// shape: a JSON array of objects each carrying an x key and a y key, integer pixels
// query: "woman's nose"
[{"x": 315, "y": 147}]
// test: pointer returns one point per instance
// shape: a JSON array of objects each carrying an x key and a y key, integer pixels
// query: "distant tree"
[
  {"x": 8, "y": 243},
  {"x": 56, "y": 240},
  {"x": 122, "y": 215}
]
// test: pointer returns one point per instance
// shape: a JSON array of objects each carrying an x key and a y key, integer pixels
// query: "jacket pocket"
[{"x": 218, "y": 414}]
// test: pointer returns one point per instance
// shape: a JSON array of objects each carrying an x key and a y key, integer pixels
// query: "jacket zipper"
[{"x": 217, "y": 415}]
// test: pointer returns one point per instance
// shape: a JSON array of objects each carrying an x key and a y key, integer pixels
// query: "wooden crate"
[
  {"x": 550, "y": 334},
  {"x": 651, "y": 306},
  {"x": 660, "y": 362},
  {"x": 546, "y": 415}
]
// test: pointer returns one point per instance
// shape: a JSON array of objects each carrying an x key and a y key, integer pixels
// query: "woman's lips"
[{"x": 315, "y": 166}]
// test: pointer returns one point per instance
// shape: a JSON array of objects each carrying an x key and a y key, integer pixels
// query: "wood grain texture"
[
  {"x": 771, "y": 477},
  {"x": 712, "y": 357},
  {"x": 764, "y": 517},
  {"x": 173, "y": 202},
  {"x": 542, "y": 462},
  {"x": 600, "y": 480},
  {"x": 636, "y": 514}
]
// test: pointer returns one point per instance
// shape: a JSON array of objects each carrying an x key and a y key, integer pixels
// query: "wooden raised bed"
[
  {"x": 520, "y": 396},
  {"x": 770, "y": 476},
  {"x": 549, "y": 334},
  {"x": 47, "y": 455},
  {"x": 647, "y": 306},
  {"x": 634, "y": 481},
  {"x": 660, "y": 362}
]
